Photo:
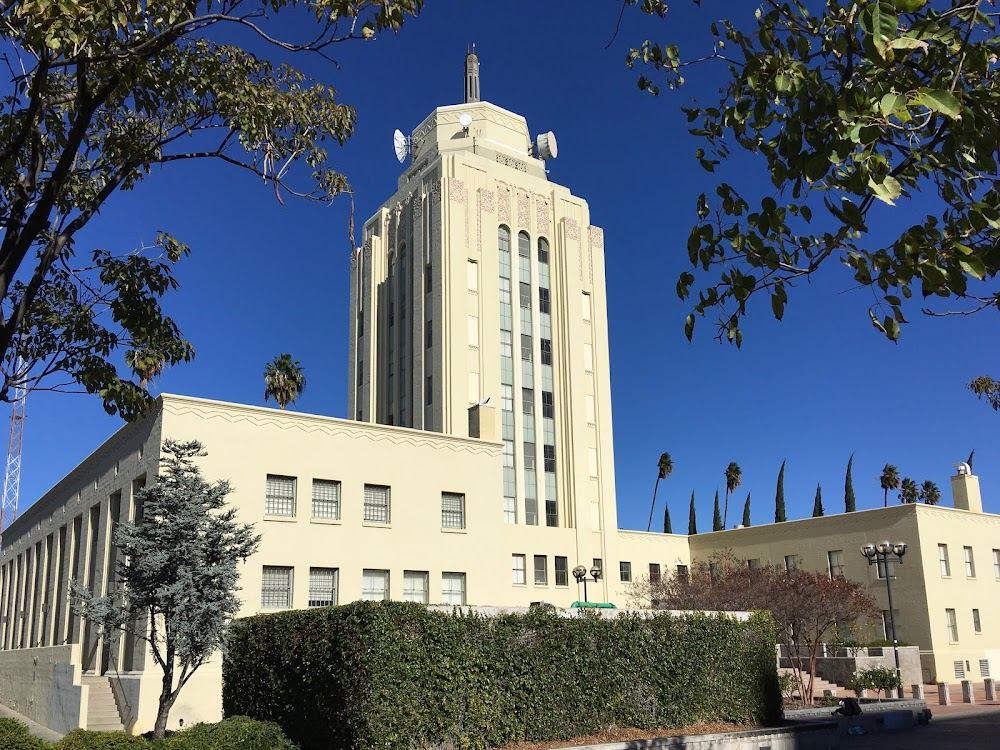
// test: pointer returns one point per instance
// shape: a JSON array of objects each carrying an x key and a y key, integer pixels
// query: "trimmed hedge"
[
  {"x": 397, "y": 675},
  {"x": 15, "y": 736},
  {"x": 236, "y": 733},
  {"x": 81, "y": 739}
]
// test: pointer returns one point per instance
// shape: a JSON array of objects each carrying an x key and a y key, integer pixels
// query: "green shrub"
[
  {"x": 15, "y": 736},
  {"x": 81, "y": 739},
  {"x": 384, "y": 675},
  {"x": 876, "y": 678},
  {"x": 236, "y": 733}
]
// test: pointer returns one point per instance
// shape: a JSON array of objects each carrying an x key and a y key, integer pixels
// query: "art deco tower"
[{"x": 481, "y": 279}]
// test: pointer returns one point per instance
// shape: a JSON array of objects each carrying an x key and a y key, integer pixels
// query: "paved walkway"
[
  {"x": 968, "y": 727},
  {"x": 43, "y": 733}
]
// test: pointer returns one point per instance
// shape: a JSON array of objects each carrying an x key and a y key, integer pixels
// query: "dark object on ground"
[{"x": 848, "y": 707}]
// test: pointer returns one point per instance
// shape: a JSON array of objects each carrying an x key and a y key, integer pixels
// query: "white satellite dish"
[
  {"x": 402, "y": 145},
  {"x": 545, "y": 145},
  {"x": 465, "y": 121}
]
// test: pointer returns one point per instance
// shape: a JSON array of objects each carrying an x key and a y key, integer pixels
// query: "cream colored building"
[{"x": 477, "y": 467}]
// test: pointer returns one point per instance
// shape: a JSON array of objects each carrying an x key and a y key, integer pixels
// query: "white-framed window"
[
  {"x": 562, "y": 570},
  {"x": 376, "y": 503},
  {"x": 977, "y": 624},
  {"x": 415, "y": 586},
  {"x": 970, "y": 563},
  {"x": 453, "y": 588},
  {"x": 322, "y": 587},
  {"x": 276, "y": 587},
  {"x": 541, "y": 570},
  {"x": 835, "y": 559},
  {"x": 325, "y": 499},
  {"x": 517, "y": 570},
  {"x": 943, "y": 560},
  {"x": 374, "y": 585},
  {"x": 996, "y": 564},
  {"x": 625, "y": 571},
  {"x": 452, "y": 510},
  {"x": 791, "y": 563},
  {"x": 952, "y": 622},
  {"x": 280, "y": 498}
]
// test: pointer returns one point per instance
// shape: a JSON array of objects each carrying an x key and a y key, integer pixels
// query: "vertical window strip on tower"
[{"x": 507, "y": 376}]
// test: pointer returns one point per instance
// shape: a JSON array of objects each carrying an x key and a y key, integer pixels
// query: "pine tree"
[
  {"x": 779, "y": 496},
  {"x": 849, "y": 488},
  {"x": 746, "y": 512},
  {"x": 818, "y": 502},
  {"x": 716, "y": 515},
  {"x": 692, "y": 519},
  {"x": 667, "y": 528}
]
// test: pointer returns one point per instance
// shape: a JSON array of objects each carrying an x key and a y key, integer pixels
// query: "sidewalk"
[{"x": 43, "y": 733}]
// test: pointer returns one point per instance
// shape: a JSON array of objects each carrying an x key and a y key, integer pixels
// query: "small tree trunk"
[{"x": 167, "y": 697}]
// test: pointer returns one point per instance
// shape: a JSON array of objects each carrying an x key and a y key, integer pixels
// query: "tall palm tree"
[
  {"x": 930, "y": 493},
  {"x": 909, "y": 492},
  {"x": 145, "y": 364},
  {"x": 283, "y": 380},
  {"x": 734, "y": 478},
  {"x": 665, "y": 467},
  {"x": 889, "y": 481}
]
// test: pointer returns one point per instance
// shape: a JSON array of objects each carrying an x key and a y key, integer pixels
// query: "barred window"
[
  {"x": 280, "y": 500},
  {"x": 415, "y": 586},
  {"x": 326, "y": 499},
  {"x": 376, "y": 503},
  {"x": 374, "y": 585},
  {"x": 453, "y": 588},
  {"x": 452, "y": 510},
  {"x": 562, "y": 571},
  {"x": 276, "y": 587},
  {"x": 322, "y": 587}
]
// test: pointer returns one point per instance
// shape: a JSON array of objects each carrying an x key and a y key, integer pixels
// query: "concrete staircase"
[
  {"x": 819, "y": 685},
  {"x": 102, "y": 711}
]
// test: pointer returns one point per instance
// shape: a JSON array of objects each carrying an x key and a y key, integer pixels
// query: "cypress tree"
[
  {"x": 746, "y": 512},
  {"x": 692, "y": 520},
  {"x": 667, "y": 528},
  {"x": 716, "y": 515},
  {"x": 818, "y": 502},
  {"x": 779, "y": 497},
  {"x": 849, "y": 488}
]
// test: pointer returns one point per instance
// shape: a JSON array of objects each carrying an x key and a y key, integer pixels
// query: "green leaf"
[
  {"x": 689, "y": 326},
  {"x": 891, "y": 103},
  {"x": 942, "y": 102},
  {"x": 888, "y": 190},
  {"x": 973, "y": 266}
]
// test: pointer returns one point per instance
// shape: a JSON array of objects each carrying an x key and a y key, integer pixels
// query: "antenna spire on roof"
[{"x": 471, "y": 75}]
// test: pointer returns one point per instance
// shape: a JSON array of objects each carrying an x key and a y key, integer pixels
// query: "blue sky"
[{"x": 265, "y": 278}]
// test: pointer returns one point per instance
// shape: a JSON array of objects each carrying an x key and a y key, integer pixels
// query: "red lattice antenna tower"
[{"x": 12, "y": 476}]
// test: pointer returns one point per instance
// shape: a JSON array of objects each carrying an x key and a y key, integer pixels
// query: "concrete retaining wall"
[
  {"x": 814, "y": 735},
  {"x": 39, "y": 683}
]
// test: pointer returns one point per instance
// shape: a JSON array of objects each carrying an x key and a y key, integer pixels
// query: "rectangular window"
[
  {"x": 548, "y": 405},
  {"x": 835, "y": 558},
  {"x": 428, "y": 334},
  {"x": 996, "y": 564},
  {"x": 452, "y": 510},
  {"x": 528, "y": 401},
  {"x": 374, "y": 585},
  {"x": 326, "y": 499},
  {"x": 276, "y": 587},
  {"x": 543, "y": 300},
  {"x": 562, "y": 571},
  {"x": 887, "y": 622},
  {"x": 525, "y": 347},
  {"x": 970, "y": 563},
  {"x": 585, "y": 300},
  {"x": 453, "y": 588},
  {"x": 654, "y": 572},
  {"x": 376, "y": 503},
  {"x": 625, "y": 571},
  {"x": 977, "y": 625},
  {"x": 322, "y": 587},
  {"x": 943, "y": 560},
  {"x": 429, "y": 393},
  {"x": 428, "y": 279},
  {"x": 791, "y": 563},
  {"x": 881, "y": 566},
  {"x": 529, "y": 456},
  {"x": 952, "y": 623},
  {"x": 541, "y": 570},
  {"x": 549, "y": 452},
  {"x": 753, "y": 563},
  {"x": 280, "y": 500},
  {"x": 517, "y": 570},
  {"x": 525, "y": 294},
  {"x": 546, "y": 352},
  {"x": 415, "y": 586}
]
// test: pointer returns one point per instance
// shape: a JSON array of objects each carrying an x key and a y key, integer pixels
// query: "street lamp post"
[
  {"x": 880, "y": 553},
  {"x": 580, "y": 574}
]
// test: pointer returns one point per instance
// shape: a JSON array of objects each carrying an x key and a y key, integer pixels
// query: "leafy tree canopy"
[
  {"x": 862, "y": 114},
  {"x": 100, "y": 93}
]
